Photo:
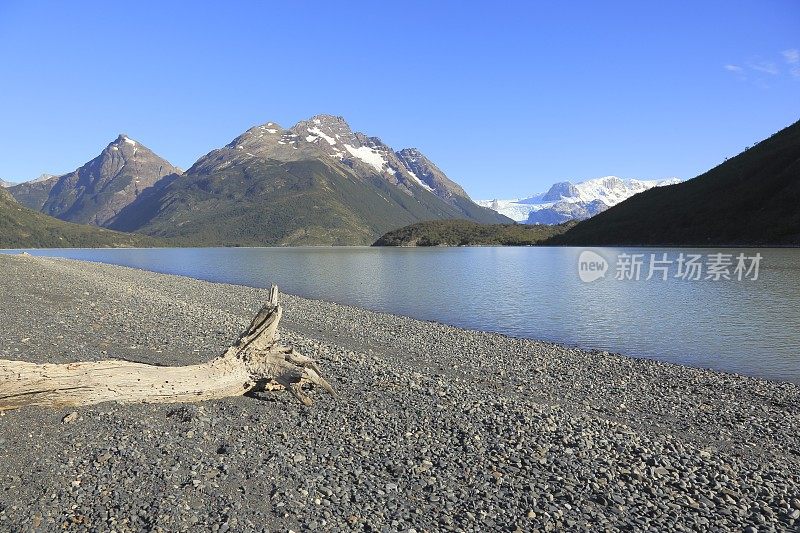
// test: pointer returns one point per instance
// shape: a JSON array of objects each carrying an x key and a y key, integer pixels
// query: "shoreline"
[{"x": 496, "y": 417}]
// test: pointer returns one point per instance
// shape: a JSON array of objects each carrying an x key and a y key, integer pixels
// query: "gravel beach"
[{"x": 435, "y": 428}]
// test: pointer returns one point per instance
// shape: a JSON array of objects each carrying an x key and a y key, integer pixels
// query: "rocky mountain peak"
[
  {"x": 331, "y": 122},
  {"x": 121, "y": 150},
  {"x": 329, "y": 129},
  {"x": 98, "y": 190},
  {"x": 123, "y": 140},
  {"x": 411, "y": 153},
  {"x": 328, "y": 120}
]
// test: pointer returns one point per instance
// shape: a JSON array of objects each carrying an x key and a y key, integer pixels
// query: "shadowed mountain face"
[
  {"x": 21, "y": 227},
  {"x": 315, "y": 183},
  {"x": 101, "y": 188},
  {"x": 750, "y": 199}
]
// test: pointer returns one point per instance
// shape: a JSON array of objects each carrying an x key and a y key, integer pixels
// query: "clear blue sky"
[{"x": 506, "y": 97}]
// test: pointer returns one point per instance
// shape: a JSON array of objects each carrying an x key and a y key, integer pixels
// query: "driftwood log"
[{"x": 256, "y": 361}]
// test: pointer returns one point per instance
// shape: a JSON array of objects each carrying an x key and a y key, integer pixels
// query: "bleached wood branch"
[{"x": 254, "y": 361}]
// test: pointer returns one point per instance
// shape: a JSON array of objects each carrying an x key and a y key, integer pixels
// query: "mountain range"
[
  {"x": 317, "y": 182},
  {"x": 750, "y": 199},
  {"x": 566, "y": 201}
]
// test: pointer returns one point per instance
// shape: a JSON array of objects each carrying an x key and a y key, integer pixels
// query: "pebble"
[{"x": 70, "y": 418}]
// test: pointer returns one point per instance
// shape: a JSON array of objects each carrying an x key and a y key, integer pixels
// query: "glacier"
[{"x": 565, "y": 200}]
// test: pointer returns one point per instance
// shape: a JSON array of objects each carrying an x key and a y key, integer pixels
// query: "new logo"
[{"x": 591, "y": 266}]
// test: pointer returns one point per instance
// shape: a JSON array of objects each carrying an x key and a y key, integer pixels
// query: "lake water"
[{"x": 749, "y": 326}]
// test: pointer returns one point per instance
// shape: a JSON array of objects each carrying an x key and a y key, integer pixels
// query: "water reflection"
[{"x": 749, "y": 326}]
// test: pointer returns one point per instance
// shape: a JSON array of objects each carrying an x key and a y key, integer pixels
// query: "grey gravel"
[{"x": 435, "y": 428}]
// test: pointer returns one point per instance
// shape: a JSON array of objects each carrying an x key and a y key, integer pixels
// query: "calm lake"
[{"x": 750, "y": 326}]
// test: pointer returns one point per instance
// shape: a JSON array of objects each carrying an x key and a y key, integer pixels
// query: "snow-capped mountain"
[
  {"x": 331, "y": 137},
  {"x": 317, "y": 182},
  {"x": 4, "y": 183},
  {"x": 573, "y": 201}
]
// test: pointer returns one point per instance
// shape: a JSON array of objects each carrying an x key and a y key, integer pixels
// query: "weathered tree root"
[{"x": 254, "y": 362}]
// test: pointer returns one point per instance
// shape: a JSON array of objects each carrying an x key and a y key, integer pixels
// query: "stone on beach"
[{"x": 435, "y": 428}]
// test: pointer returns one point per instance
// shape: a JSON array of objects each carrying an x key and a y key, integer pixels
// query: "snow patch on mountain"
[
  {"x": 319, "y": 133},
  {"x": 419, "y": 181},
  {"x": 368, "y": 155}
]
